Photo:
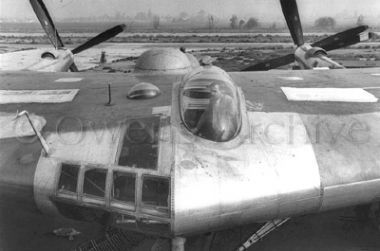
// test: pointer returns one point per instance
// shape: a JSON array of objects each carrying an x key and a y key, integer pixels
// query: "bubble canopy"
[{"x": 209, "y": 104}]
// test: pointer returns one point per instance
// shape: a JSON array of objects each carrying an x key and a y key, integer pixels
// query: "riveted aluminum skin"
[{"x": 248, "y": 179}]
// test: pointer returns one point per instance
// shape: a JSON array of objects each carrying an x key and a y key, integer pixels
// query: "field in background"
[
  {"x": 147, "y": 27},
  {"x": 233, "y": 49}
]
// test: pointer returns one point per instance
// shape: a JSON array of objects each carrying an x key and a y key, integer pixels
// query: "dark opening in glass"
[
  {"x": 69, "y": 178},
  {"x": 155, "y": 192},
  {"x": 124, "y": 187},
  {"x": 95, "y": 182},
  {"x": 140, "y": 143}
]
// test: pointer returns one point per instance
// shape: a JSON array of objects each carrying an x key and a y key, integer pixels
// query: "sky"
[{"x": 264, "y": 10}]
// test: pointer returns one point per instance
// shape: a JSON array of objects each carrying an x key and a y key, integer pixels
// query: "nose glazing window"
[
  {"x": 69, "y": 178},
  {"x": 95, "y": 182},
  {"x": 124, "y": 187},
  {"x": 155, "y": 193}
]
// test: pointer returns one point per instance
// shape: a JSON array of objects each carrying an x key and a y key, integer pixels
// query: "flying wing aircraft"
[
  {"x": 288, "y": 144},
  {"x": 311, "y": 56},
  {"x": 177, "y": 155}
]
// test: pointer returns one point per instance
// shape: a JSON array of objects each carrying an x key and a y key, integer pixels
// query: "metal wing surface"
[
  {"x": 87, "y": 111},
  {"x": 264, "y": 90},
  {"x": 89, "y": 103},
  {"x": 338, "y": 110}
]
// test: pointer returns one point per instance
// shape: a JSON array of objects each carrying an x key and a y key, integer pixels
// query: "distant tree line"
[
  {"x": 242, "y": 24},
  {"x": 325, "y": 23},
  {"x": 156, "y": 21}
]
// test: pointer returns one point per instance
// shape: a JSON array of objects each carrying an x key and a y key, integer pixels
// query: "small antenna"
[
  {"x": 103, "y": 57},
  {"x": 44, "y": 145},
  {"x": 109, "y": 103}
]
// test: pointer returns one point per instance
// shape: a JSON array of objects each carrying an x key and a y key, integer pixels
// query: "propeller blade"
[
  {"x": 46, "y": 22},
  {"x": 99, "y": 38},
  {"x": 73, "y": 68},
  {"x": 342, "y": 39},
  {"x": 271, "y": 63},
  {"x": 290, "y": 10}
]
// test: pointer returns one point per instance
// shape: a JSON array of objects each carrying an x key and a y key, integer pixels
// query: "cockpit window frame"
[
  {"x": 65, "y": 193},
  {"x": 89, "y": 198},
  {"x": 81, "y": 203},
  {"x": 124, "y": 205},
  {"x": 151, "y": 209}
]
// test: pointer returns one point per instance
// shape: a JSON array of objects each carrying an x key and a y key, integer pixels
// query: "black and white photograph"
[{"x": 186, "y": 125}]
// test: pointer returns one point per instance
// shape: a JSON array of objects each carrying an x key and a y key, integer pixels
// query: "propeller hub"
[
  {"x": 310, "y": 57},
  {"x": 315, "y": 51}
]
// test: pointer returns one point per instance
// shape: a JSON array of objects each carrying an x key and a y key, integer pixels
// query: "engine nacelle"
[
  {"x": 53, "y": 61},
  {"x": 314, "y": 57}
]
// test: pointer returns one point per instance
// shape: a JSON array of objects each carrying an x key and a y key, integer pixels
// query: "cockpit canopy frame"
[{"x": 210, "y": 105}]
